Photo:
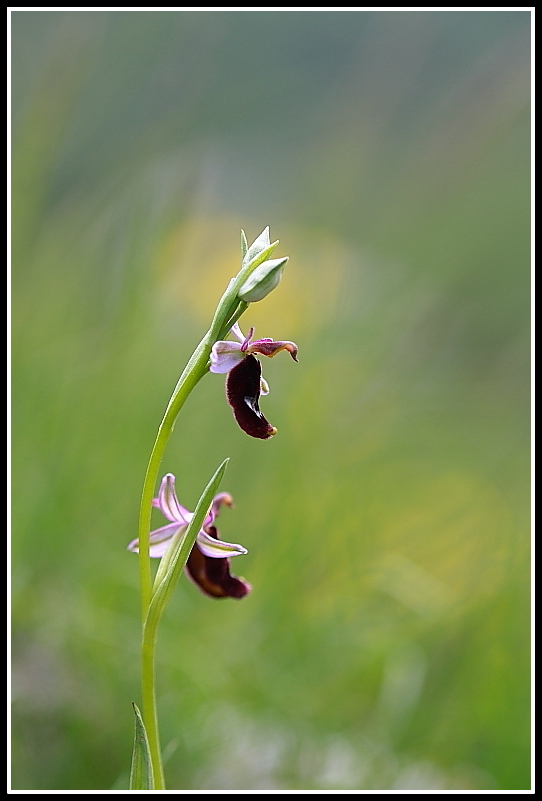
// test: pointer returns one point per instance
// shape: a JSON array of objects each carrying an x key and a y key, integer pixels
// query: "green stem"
[
  {"x": 227, "y": 313},
  {"x": 150, "y": 716},
  {"x": 148, "y": 645},
  {"x": 183, "y": 389}
]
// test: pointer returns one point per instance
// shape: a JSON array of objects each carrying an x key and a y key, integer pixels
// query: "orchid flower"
[
  {"x": 208, "y": 563},
  {"x": 244, "y": 382}
]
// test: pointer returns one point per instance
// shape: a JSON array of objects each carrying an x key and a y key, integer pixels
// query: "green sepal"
[
  {"x": 141, "y": 773},
  {"x": 244, "y": 244},
  {"x": 259, "y": 251}
]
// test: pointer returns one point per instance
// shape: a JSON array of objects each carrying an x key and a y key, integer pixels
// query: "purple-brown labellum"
[
  {"x": 243, "y": 393},
  {"x": 213, "y": 576}
]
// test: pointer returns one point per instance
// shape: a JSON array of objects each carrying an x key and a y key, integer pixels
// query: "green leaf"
[{"x": 141, "y": 774}]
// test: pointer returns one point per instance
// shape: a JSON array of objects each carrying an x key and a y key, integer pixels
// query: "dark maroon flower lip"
[
  {"x": 212, "y": 576},
  {"x": 243, "y": 387}
]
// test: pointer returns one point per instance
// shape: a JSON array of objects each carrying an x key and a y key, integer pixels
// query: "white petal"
[
  {"x": 225, "y": 356},
  {"x": 159, "y": 540},
  {"x": 158, "y": 551},
  {"x": 218, "y": 549},
  {"x": 168, "y": 503}
]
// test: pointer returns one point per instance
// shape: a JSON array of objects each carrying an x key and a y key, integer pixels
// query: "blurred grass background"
[{"x": 386, "y": 641}]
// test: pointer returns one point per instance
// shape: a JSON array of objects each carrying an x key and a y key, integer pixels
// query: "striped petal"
[
  {"x": 218, "y": 549},
  {"x": 159, "y": 540},
  {"x": 168, "y": 504}
]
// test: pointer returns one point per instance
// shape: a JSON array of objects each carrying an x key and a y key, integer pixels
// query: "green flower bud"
[{"x": 262, "y": 280}]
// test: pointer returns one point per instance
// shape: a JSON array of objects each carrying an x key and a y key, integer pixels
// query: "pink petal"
[
  {"x": 225, "y": 356},
  {"x": 168, "y": 504},
  {"x": 267, "y": 347},
  {"x": 159, "y": 540}
]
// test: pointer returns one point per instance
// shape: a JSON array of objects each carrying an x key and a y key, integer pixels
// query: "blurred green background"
[{"x": 386, "y": 643}]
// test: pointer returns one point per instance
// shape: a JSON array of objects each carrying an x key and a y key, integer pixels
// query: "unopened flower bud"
[{"x": 262, "y": 280}]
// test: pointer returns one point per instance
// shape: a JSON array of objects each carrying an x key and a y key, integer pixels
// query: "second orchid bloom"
[
  {"x": 244, "y": 381},
  {"x": 208, "y": 564}
]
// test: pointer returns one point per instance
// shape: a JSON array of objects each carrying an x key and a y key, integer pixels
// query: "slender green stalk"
[
  {"x": 148, "y": 645},
  {"x": 228, "y": 311},
  {"x": 189, "y": 379}
]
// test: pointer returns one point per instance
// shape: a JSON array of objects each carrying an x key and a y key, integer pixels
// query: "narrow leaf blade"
[{"x": 141, "y": 773}]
